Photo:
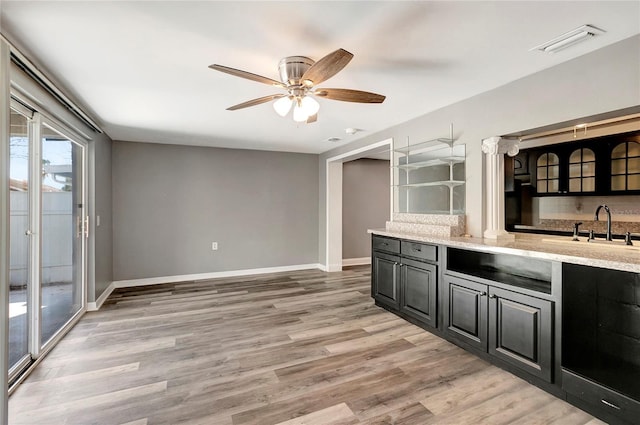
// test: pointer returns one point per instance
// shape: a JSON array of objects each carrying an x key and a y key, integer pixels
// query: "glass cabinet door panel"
[
  {"x": 633, "y": 182},
  {"x": 618, "y": 166},
  {"x": 618, "y": 182}
]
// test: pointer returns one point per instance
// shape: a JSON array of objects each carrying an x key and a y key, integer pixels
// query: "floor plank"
[{"x": 299, "y": 348}]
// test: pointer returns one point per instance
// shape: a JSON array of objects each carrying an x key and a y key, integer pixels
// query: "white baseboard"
[
  {"x": 356, "y": 261},
  {"x": 212, "y": 275},
  {"x": 102, "y": 298}
]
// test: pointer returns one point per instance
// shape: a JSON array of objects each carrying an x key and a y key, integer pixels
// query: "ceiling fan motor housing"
[{"x": 292, "y": 68}]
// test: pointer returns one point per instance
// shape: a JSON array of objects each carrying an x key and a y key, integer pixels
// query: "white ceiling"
[{"x": 141, "y": 68}]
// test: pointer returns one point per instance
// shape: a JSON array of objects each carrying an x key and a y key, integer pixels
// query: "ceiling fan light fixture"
[
  {"x": 283, "y": 105},
  {"x": 299, "y": 114},
  {"x": 309, "y": 105}
]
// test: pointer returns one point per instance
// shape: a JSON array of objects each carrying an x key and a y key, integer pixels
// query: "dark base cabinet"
[
  {"x": 521, "y": 331},
  {"x": 465, "y": 312},
  {"x": 385, "y": 279},
  {"x": 516, "y": 328},
  {"x": 404, "y": 279},
  {"x": 418, "y": 291}
]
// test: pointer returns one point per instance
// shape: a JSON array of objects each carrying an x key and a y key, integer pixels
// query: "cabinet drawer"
[
  {"x": 419, "y": 250},
  {"x": 381, "y": 243},
  {"x": 600, "y": 397}
]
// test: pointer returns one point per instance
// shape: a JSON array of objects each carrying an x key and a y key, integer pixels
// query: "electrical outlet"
[{"x": 214, "y": 246}]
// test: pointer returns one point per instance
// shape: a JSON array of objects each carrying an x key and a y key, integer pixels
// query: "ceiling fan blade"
[
  {"x": 348, "y": 95},
  {"x": 326, "y": 67},
  {"x": 255, "y": 102},
  {"x": 247, "y": 75},
  {"x": 312, "y": 118}
]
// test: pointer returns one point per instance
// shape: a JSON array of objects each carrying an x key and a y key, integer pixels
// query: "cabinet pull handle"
[
  {"x": 482, "y": 294},
  {"x": 492, "y": 296},
  {"x": 417, "y": 249},
  {"x": 608, "y": 403}
]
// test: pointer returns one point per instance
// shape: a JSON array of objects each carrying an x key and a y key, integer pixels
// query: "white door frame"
[{"x": 333, "y": 212}]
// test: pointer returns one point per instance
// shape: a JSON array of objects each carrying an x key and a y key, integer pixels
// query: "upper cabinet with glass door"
[{"x": 601, "y": 166}]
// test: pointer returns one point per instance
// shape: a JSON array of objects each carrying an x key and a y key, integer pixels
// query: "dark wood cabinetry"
[
  {"x": 404, "y": 278},
  {"x": 465, "y": 311},
  {"x": 601, "y": 339},
  {"x": 521, "y": 331},
  {"x": 516, "y": 328},
  {"x": 511, "y": 326},
  {"x": 385, "y": 272},
  {"x": 585, "y": 167},
  {"x": 570, "y": 329},
  {"x": 418, "y": 291}
]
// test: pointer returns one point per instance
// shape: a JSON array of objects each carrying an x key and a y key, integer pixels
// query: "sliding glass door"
[
  {"x": 19, "y": 259},
  {"x": 48, "y": 233},
  {"x": 62, "y": 232}
]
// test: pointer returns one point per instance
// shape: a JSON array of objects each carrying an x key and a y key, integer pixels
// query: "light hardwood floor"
[{"x": 291, "y": 348}]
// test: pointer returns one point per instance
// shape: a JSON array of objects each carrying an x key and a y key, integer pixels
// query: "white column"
[{"x": 494, "y": 149}]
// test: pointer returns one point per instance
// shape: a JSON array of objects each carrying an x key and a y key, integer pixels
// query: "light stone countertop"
[{"x": 554, "y": 248}]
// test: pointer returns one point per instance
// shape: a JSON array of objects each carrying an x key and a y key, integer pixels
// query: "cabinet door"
[
  {"x": 385, "y": 279},
  {"x": 521, "y": 331},
  {"x": 418, "y": 291},
  {"x": 465, "y": 311}
]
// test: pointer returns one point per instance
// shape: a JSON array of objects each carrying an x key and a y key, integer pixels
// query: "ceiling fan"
[{"x": 299, "y": 76}]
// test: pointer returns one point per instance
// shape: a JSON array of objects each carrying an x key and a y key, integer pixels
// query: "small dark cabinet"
[
  {"x": 513, "y": 327},
  {"x": 385, "y": 279},
  {"x": 465, "y": 311},
  {"x": 520, "y": 331},
  {"x": 404, "y": 278},
  {"x": 418, "y": 291}
]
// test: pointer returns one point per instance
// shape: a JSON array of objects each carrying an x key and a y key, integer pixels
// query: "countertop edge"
[{"x": 533, "y": 246}]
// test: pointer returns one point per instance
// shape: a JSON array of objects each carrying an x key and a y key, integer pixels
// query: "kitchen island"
[{"x": 563, "y": 315}]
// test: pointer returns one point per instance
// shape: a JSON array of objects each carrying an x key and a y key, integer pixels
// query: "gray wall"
[
  {"x": 365, "y": 204},
  {"x": 103, "y": 240},
  {"x": 602, "y": 81},
  {"x": 171, "y": 202}
]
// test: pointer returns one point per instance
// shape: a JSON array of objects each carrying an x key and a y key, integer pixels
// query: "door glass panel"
[
  {"x": 574, "y": 185},
  {"x": 634, "y": 149},
  {"x": 589, "y": 184},
  {"x": 618, "y": 166},
  {"x": 633, "y": 166},
  {"x": 19, "y": 239},
  {"x": 62, "y": 236},
  {"x": 620, "y": 151},
  {"x": 589, "y": 169},
  {"x": 588, "y": 155},
  {"x": 633, "y": 182},
  {"x": 574, "y": 170},
  {"x": 618, "y": 183}
]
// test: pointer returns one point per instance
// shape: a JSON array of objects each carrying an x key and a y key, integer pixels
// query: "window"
[
  {"x": 625, "y": 166},
  {"x": 548, "y": 173},
  {"x": 582, "y": 171}
]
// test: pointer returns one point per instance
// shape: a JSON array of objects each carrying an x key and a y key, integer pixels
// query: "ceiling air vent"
[{"x": 569, "y": 39}]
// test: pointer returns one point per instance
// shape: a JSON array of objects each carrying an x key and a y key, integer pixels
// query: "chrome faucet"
[{"x": 608, "y": 211}]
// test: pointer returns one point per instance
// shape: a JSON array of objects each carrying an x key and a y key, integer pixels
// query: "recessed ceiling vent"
[{"x": 568, "y": 39}]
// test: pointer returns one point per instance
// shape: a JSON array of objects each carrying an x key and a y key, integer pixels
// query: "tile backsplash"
[{"x": 559, "y": 213}]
